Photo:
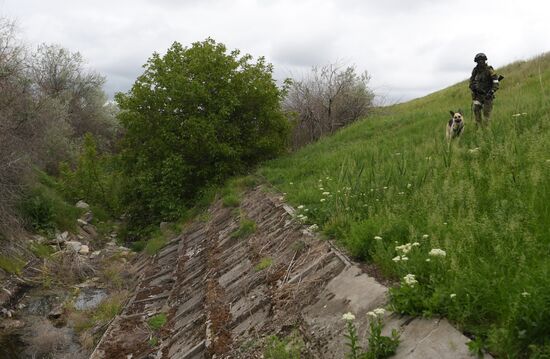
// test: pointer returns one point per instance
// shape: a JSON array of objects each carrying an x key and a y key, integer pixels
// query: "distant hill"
[{"x": 484, "y": 201}]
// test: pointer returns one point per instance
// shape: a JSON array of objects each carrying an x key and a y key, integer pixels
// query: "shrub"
[{"x": 195, "y": 117}]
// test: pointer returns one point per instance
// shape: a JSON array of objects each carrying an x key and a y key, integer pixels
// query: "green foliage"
[
  {"x": 264, "y": 263},
  {"x": 44, "y": 209},
  {"x": 157, "y": 321},
  {"x": 484, "y": 200},
  {"x": 41, "y": 250},
  {"x": 95, "y": 180},
  {"x": 231, "y": 200},
  {"x": 195, "y": 117},
  {"x": 246, "y": 228},
  {"x": 381, "y": 346},
  {"x": 286, "y": 348},
  {"x": 11, "y": 265}
]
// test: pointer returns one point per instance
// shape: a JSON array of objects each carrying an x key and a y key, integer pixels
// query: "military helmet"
[{"x": 480, "y": 56}]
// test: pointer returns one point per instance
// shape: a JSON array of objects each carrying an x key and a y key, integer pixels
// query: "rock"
[
  {"x": 88, "y": 216},
  {"x": 7, "y": 312},
  {"x": 60, "y": 238},
  {"x": 82, "y": 204},
  {"x": 95, "y": 254},
  {"x": 55, "y": 313},
  {"x": 88, "y": 228},
  {"x": 10, "y": 324},
  {"x": 84, "y": 250},
  {"x": 39, "y": 239},
  {"x": 73, "y": 245}
]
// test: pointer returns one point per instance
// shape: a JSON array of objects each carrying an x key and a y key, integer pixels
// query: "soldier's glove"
[{"x": 489, "y": 95}]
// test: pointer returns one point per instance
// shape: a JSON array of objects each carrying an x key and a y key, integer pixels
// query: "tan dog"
[{"x": 455, "y": 126}]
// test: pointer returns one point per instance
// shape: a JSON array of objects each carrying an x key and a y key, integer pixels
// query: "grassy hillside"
[{"x": 392, "y": 180}]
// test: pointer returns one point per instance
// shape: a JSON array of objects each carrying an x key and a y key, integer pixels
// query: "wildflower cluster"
[
  {"x": 410, "y": 280},
  {"x": 436, "y": 252}
]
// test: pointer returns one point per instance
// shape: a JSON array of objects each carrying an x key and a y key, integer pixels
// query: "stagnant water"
[{"x": 38, "y": 337}]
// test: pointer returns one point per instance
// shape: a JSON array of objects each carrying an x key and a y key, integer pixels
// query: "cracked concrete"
[{"x": 220, "y": 304}]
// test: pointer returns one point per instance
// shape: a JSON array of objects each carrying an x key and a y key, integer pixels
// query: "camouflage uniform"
[{"x": 483, "y": 84}]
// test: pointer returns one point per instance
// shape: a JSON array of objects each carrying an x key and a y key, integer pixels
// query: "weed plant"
[{"x": 468, "y": 220}]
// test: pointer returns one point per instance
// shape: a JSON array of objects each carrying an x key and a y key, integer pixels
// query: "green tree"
[{"x": 195, "y": 117}]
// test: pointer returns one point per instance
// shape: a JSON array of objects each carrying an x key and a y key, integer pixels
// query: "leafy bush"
[
  {"x": 195, "y": 117},
  {"x": 95, "y": 179},
  {"x": 43, "y": 209}
]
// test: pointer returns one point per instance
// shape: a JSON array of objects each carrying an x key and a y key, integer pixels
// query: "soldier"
[{"x": 483, "y": 84}]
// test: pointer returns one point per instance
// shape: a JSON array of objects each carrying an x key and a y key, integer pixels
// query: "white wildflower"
[
  {"x": 428, "y": 260},
  {"x": 328, "y": 177},
  {"x": 348, "y": 316},
  {"x": 379, "y": 311},
  {"x": 321, "y": 189},
  {"x": 425, "y": 236},
  {"x": 372, "y": 314},
  {"x": 415, "y": 244},
  {"x": 313, "y": 227},
  {"x": 396, "y": 259},
  {"x": 436, "y": 252},
  {"x": 452, "y": 295},
  {"x": 322, "y": 199},
  {"x": 301, "y": 206},
  {"x": 326, "y": 193},
  {"x": 525, "y": 294},
  {"x": 401, "y": 193},
  {"x": 405, "y": 248},
  {"x": 524, "y": 113},
  {"x": 410, "y": 279},
  {"x": 409, "y": 185},
  {"x": 404, "y": 258},
  {"x": 385, "y": 187},
  {"x": 377, "y": 237},
  {"x": 291, "y": 183},
  {"x": 445, "y": 223},
  {"x": 306, "y": 210},
  {"x": 516, "y": 115}
]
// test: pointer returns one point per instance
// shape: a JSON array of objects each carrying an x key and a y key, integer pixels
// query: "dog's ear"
[{"x": 452, "y": 113}]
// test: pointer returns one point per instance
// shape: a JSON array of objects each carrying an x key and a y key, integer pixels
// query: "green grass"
[
  {"x": 484, "y": 200},
  {"x": 155, "y": 244},
  {"x": 12, "y": 265},
  {"x": 41, "y": 250},
  {"x": 157, "y": 321},
  {"x": 246, "y": 228},
  {"x": 264, "y": 263}
]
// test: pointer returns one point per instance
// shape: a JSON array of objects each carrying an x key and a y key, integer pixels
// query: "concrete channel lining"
[{"x": 218, "y": 300}]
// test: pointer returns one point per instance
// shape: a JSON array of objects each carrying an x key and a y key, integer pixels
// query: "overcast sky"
[{"x": 410, "y": 47}]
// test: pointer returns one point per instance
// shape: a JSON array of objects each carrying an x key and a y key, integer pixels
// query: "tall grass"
[{"x": 484, "y": 200}]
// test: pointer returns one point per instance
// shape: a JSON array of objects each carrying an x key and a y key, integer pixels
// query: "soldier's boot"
[{"x": 477, "y": 106}]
